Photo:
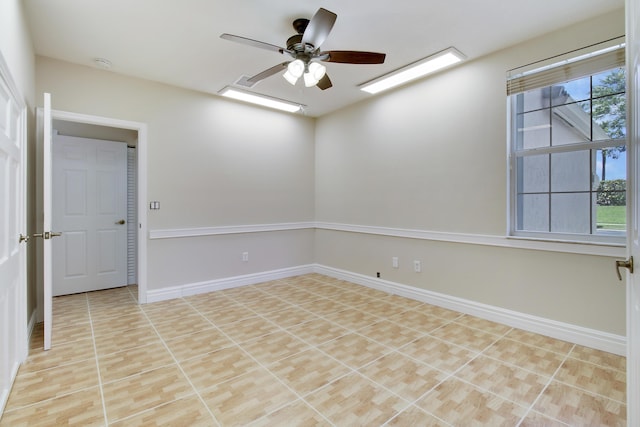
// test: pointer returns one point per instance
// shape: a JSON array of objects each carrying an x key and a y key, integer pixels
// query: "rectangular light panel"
[
  {"x": 262, "y": 100},
  {"x": 413, "y": 71}
]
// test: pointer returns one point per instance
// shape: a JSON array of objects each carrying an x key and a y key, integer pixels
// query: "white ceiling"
[{"x": 177, "y": 41}]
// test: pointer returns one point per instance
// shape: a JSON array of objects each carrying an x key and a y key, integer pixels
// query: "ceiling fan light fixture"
[
  {"x": 265, "y": 101},
  {"x": 294, "y": 71},
  {"x": 296, "y": 68},
  {"x": 309, "y": 81},
  {"x": 290, "y": 77},
  {"x": 317, "y": 70},
  {"x": 428, "y": 65},
  {"x": 314, "y": 74}
]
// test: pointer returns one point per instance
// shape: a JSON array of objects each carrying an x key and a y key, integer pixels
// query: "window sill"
[{"x": 598, "y": 248}]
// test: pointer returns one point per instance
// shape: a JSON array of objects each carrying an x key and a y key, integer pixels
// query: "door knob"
[
  {"x": 628, "y": 264},
  {"x": 121, "y": 222}
]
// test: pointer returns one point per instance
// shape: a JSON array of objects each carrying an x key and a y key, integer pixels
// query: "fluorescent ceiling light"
[
  {"x": 413, "y": 71},
  {"x": 263, "y": 100}
]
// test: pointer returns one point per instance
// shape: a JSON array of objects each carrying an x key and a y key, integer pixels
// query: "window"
[{"x": 568, "y": 150}]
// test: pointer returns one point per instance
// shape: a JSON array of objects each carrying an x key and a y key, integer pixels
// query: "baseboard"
[
  {"x": 564, "y": 331},
  {"x": 155, "y": 295}
]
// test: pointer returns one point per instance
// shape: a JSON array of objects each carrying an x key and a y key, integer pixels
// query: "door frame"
[
  {"x": 632, "y": 30},
  {"x": 141, "y": 166}
]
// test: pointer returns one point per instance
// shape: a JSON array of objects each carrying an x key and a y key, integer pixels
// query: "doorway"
[{"x": 105, "y": 128}]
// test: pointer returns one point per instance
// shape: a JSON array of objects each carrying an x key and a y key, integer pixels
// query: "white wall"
[
  {"x": 211, "y": 163},
  {"x": 17, "y": 48},
  {"x": 17, "y": 51},
  {"x": 431, "y": 156}
]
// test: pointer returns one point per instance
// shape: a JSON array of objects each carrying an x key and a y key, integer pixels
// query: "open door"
[
  {"x": 633, "y": 210},
  {"x": 46, "y": 234},
  {"x": 13, "y": 230}
]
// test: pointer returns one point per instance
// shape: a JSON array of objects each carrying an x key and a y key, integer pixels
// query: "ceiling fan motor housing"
[{"x": 300, "y": 25}]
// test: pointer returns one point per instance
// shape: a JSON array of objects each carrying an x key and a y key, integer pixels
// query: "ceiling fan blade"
[
  {"x": 325, "y": 82},
  {"x": 354, "y": 57},
  {"x": 267, "y": 73},
  {"x": 251, "y": 42},
  {"x": 319, "y": 27}
]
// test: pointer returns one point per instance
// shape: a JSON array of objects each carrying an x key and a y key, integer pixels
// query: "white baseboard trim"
[
  {"x": 604, "y": 341},
  {"x": 155, "y": 295}
]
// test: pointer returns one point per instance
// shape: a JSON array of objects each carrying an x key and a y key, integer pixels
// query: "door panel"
[
  {"x": 90, "y": 190},
  {"x": 13, "y": 316}
]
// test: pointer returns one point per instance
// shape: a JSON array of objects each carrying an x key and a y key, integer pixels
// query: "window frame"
[{"x": 612, "y": 237}]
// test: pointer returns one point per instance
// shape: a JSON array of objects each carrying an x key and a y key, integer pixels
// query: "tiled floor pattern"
[{"x": 307, "y": 351}]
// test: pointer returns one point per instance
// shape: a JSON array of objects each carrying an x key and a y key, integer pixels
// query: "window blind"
[
  {"x": 132, "y": 218},
  {"x": 567, "y": 67}
]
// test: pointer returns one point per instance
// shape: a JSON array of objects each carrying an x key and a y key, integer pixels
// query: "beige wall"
[
  {"x": 432, "y": 156},
  {"x": 211, "y": 163}
]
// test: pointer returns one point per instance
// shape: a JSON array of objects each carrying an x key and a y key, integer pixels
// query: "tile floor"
[{"x": 308, "y": 350}]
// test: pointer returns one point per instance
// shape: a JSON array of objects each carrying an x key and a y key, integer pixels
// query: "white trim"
[
  {"x": 229, "y": 229},
  {"x": 480, "y": 239},
  {"x": 604, "y": 341},
  {"x": 155, "y": 295},
  {"x": 598, "y": 249}
]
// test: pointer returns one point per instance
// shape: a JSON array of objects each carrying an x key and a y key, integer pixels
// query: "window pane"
[
  {"x": 571, "y": 213},
  {"x": 609, "y": 82},
  {"x": 533, "y": 130},
  {"x": 533, "y": 212},
  {"x": 611, "y": 163},
  {"x": 611, "y": 209},
  {"x": 568, "y": 92},
  {"x": 609, "y": 118},
  {"x": 571, "y": 171},
  {"x": 533, "y": 100},
  {"x": 533, "y": 174},
  {"x": 571, "y": 123}
]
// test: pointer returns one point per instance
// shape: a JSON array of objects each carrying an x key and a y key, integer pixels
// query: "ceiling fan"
[{"x": 304, "y": 48}]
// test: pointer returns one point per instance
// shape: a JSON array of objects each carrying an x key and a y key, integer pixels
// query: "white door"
[
  {"x": 13, "y": 310},
  {"x": 89, "y": 208},
  {"x": 633, "y": 202},
  {"x": 45, "y": 232}
]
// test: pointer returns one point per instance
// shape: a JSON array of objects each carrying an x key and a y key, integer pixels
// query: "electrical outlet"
[
  {"x": 245, "y": 256},
  {"x": 394, "y": 262},
  {"x": 417, "y": 266}
]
